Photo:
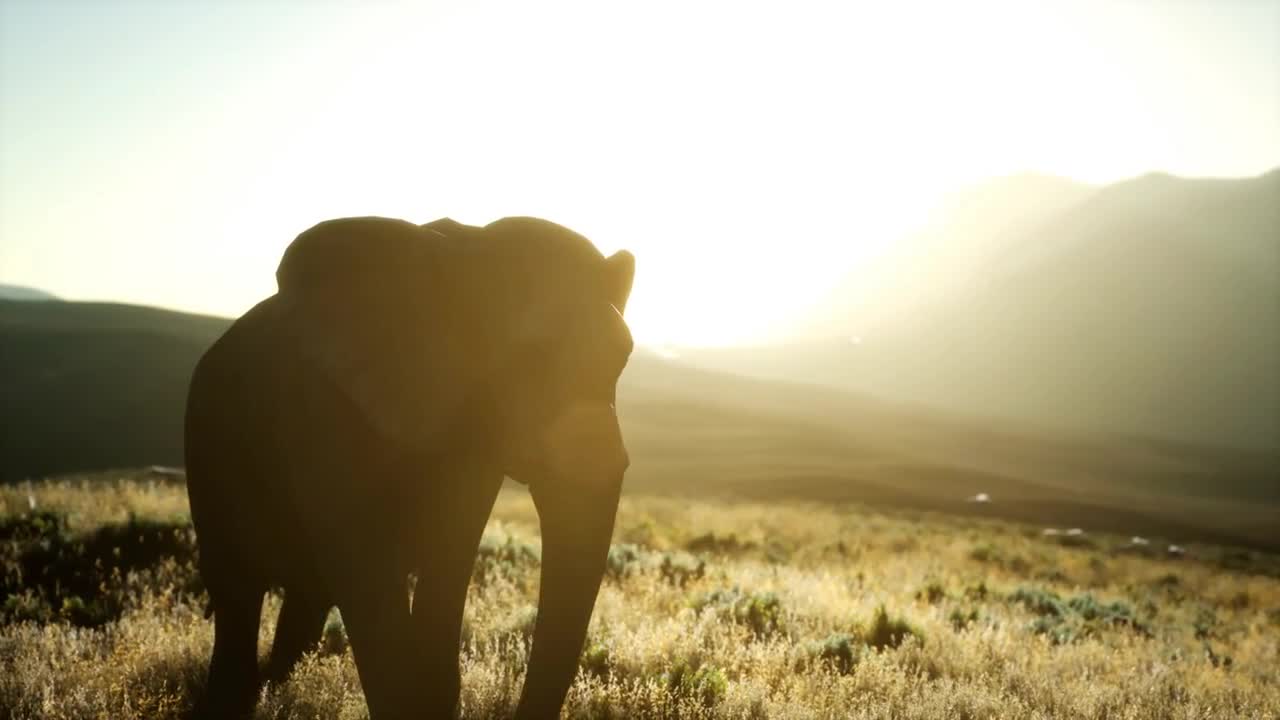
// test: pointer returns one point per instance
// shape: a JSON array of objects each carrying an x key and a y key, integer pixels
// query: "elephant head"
[{"x": 511, "y": 336}]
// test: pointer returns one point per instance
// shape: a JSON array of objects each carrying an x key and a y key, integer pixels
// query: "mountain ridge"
[
  {"x": 1151, "y": 306},
  {"x": 25, "y": 293}
]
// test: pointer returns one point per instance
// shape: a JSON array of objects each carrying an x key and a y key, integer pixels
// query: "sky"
[{"x": 748, "y": 153}]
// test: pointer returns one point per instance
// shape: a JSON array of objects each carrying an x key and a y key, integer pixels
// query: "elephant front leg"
[{"x": 448, "y": 554}]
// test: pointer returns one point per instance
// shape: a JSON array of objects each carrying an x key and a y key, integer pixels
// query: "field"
[{"x": 712, "y": 609}]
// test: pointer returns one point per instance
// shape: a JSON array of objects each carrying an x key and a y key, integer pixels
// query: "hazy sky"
[{"x": 748, "y": 152}]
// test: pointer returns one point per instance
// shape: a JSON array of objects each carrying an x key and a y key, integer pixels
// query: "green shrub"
[
  {"x": 1204, "y": 623},
  {"x": 716, "y": 544},
  {"x": 1056, "y": 629},
  {"x": 88, "y": 579},
  {"x": 1114, "y": 613},
  {"x": 705, "y": 683},
  {"x": 680, "y": 569},
  {"x": 986, "y": 553},
  {"x": 839, "y": 650},
  {"x": 503, "y": 555},
  {"x": 1040, "y": 602},
  {"x": 596, "y": 659},
  {"x": 961, "y": 619},
  {"x": 624, "y": 559},
  {"x": 26, "y": 606},
  {"x": 1079, "y": 617},
  {"x": 33, "y": 526},
  {"x": 761, "y": 612},
  {"x": 888, "y": 632},
  {"x": 932, "y": 593}
]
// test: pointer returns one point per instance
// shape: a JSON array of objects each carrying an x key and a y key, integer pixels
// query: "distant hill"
[
  {"x": 697, "y": 431},
  {"x": 967, "y": 232},
  {"x": 1150, "y": 307},
  {"x": 88, "y": 386},
  {"x": 18, "y": 292},
  {"x": 94, "y": 385}
]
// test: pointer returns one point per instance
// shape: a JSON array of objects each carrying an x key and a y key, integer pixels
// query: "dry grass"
[{"x": 711, "y": 610}]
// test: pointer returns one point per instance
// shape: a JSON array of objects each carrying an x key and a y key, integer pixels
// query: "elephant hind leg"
[
  {"x": 298, "y": 629},
  {"x": 376, "y": 614},
  {"x": 233, "y": 673}
]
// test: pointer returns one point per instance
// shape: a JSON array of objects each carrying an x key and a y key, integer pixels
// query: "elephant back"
[{"x": 392, "y": 314}]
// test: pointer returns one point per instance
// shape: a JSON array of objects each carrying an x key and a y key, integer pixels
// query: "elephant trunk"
[{"x": 577, "y": 526}]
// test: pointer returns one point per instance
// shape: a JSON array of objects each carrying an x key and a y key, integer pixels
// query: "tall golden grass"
[{"x": 712, "y": 610}]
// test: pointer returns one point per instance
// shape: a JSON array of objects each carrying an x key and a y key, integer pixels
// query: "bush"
[
  {"x": 1040, "y": 602},
  {"x": 596, "y": 660},
  {"x": 1114, "y": 613},
  {"x": 932, "y": 593},
  {"x": 961, "y": 619},
  {"x": 760, "y": 612},
  {"x": 977, "y": 592},
  {"x": 1065, "y": 621},
  {"x": 1205, "y": 621},
  {"x": 677, "y": 568},
  {"x": 680, "y": 569},
  {"x": 705, "y": 683},
  {"x": 33, "y": 526},
  {"x": 722, "y": 545},
  {"x": 89, "y": 579},
  {"x": 986, "y": 553},
  {"x": 841, "y": 651},
  {"x": 888, "y": 632},
  {"x": 503, "y": 555},
  {"x": 623, "y": 560}
]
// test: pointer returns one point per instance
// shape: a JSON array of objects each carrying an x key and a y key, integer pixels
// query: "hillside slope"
[
  {"x": 693, "y": 431},
  {"x": 965, "y": 234},
  {"x": 18, "y": 292},
  {"x": 91, "y": 386},
  {"x": 94, "y": 385},
  {"x": 1149, "y": 307}
]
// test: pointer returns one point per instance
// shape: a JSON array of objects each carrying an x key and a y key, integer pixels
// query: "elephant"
[{"x": 356, "y": 426}]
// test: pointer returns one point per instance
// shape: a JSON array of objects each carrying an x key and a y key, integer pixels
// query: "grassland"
[{"x": 711, "y": 610}]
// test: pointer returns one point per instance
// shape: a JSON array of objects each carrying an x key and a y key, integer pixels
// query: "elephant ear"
[
  {"x": 621, "y": 276},
  {"x": 380, "y": 308}
]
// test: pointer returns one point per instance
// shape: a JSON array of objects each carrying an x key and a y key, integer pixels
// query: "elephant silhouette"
[{"x": 356, "y": 426}]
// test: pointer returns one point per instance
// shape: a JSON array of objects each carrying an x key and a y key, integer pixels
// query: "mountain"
[
  {"x": 1149, "y": 307},
  {"x": 18, "y": 292},
  {"x": 968, "y": 230},
  {"x": 89, "y": 386}
]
